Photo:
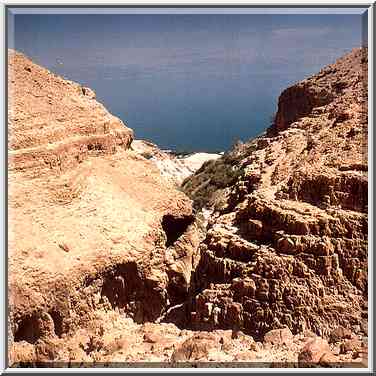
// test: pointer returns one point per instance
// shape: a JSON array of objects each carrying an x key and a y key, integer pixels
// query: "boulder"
[
  {"x": 339, "y": 334},
  {"x": 314, "y": 350},
  {"x": 190, "y": 350},
  {"x": 279, "y": 337}
]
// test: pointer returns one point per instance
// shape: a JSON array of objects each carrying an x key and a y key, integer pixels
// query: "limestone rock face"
[
  {"x": 90, "y": 221},
  {"x": 286, "y": 243},
  {"x": 55, "y": 123}
]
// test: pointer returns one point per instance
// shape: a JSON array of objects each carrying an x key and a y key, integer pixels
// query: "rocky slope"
[
  {"x": 83, "y": 235},
  {"x": 111, "y": 265},
  {"x": 287, "y": 240}
]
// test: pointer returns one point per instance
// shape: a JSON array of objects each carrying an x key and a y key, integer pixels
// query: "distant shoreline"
[{"x": 183, "y": 154}]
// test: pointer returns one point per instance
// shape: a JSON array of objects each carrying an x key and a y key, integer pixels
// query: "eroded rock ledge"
[{"x": 287, "y": 241}]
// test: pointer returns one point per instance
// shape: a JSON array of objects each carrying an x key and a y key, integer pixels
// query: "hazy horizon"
[{"x": 187, "y": 82}]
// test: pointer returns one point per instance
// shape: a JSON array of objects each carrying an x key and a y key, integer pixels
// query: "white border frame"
[{"x": 209, "y": 3}]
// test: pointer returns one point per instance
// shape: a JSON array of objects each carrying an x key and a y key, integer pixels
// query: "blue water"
[
  {"x": 187, "y": 83},
  {"x": 186, "y": 110}
]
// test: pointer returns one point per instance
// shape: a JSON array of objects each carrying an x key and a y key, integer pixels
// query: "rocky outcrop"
[
  {"x": 93, "y": 227},
  {"x": 55, "y": 123},
  {"x": 322, "y": 90},
  {"x": 287, "y": 239}
]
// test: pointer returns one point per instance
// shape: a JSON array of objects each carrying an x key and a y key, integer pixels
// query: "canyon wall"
[
  {"x": 287, "y": 239},
  {"x": 260, "y": 256}
]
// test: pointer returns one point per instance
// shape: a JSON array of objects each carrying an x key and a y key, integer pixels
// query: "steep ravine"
[{"x": 103, "y": 271}]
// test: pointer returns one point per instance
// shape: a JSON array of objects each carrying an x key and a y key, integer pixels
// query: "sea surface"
[
  {"x": 187, "y": 82},
  {"x": 187, "y": 109},
  {"x": 200, "y": 106}
]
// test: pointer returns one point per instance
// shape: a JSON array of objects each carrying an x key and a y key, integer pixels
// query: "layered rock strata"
[
  {"x": 92, "y": 224},
  {"x": 287, "y": 239}
]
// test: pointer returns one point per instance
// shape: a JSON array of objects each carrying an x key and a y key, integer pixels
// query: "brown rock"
[
  {"x": 297, "y": 198},
  {"x": 65, "y": 117},
  {"x": 152, "y": 337},
  {"x": 279, "y": 337},
  {"x": 46, "y": 351},
  {"x": 116, "y": 345},
  {"x": 353, "y": 344},
  {"x": 329, "y": 360},
  {"x": 21, "y": 353},
  {"x": 340, "y": 333},
  {"x": 65, "y": 247},
  {"x": 286, "y": 244},
  {"x": 314, "y": 350},
  {"x": 88, "y": 92},
  {"x": 190, "y": 350},
  {"x": 308, "y": 334},
  {"x": 245, "y": 356},
  {"x": 361, "y": 352},
  {"x": 75, "y": 188},
  {"x": 363, "y": 362},
  {"x": 364, "y": 326}
]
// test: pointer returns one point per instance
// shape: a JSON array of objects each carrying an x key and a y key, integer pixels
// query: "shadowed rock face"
[
  {"x": 298, "y": 101},
  {"x": 287, "y": 241},
  {"x": 175, "y": 227}
]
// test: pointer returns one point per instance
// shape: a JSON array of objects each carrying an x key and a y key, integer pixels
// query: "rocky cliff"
[
  {"x": 92, "y": 225},
  {"x": 287, "y": 239}
]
